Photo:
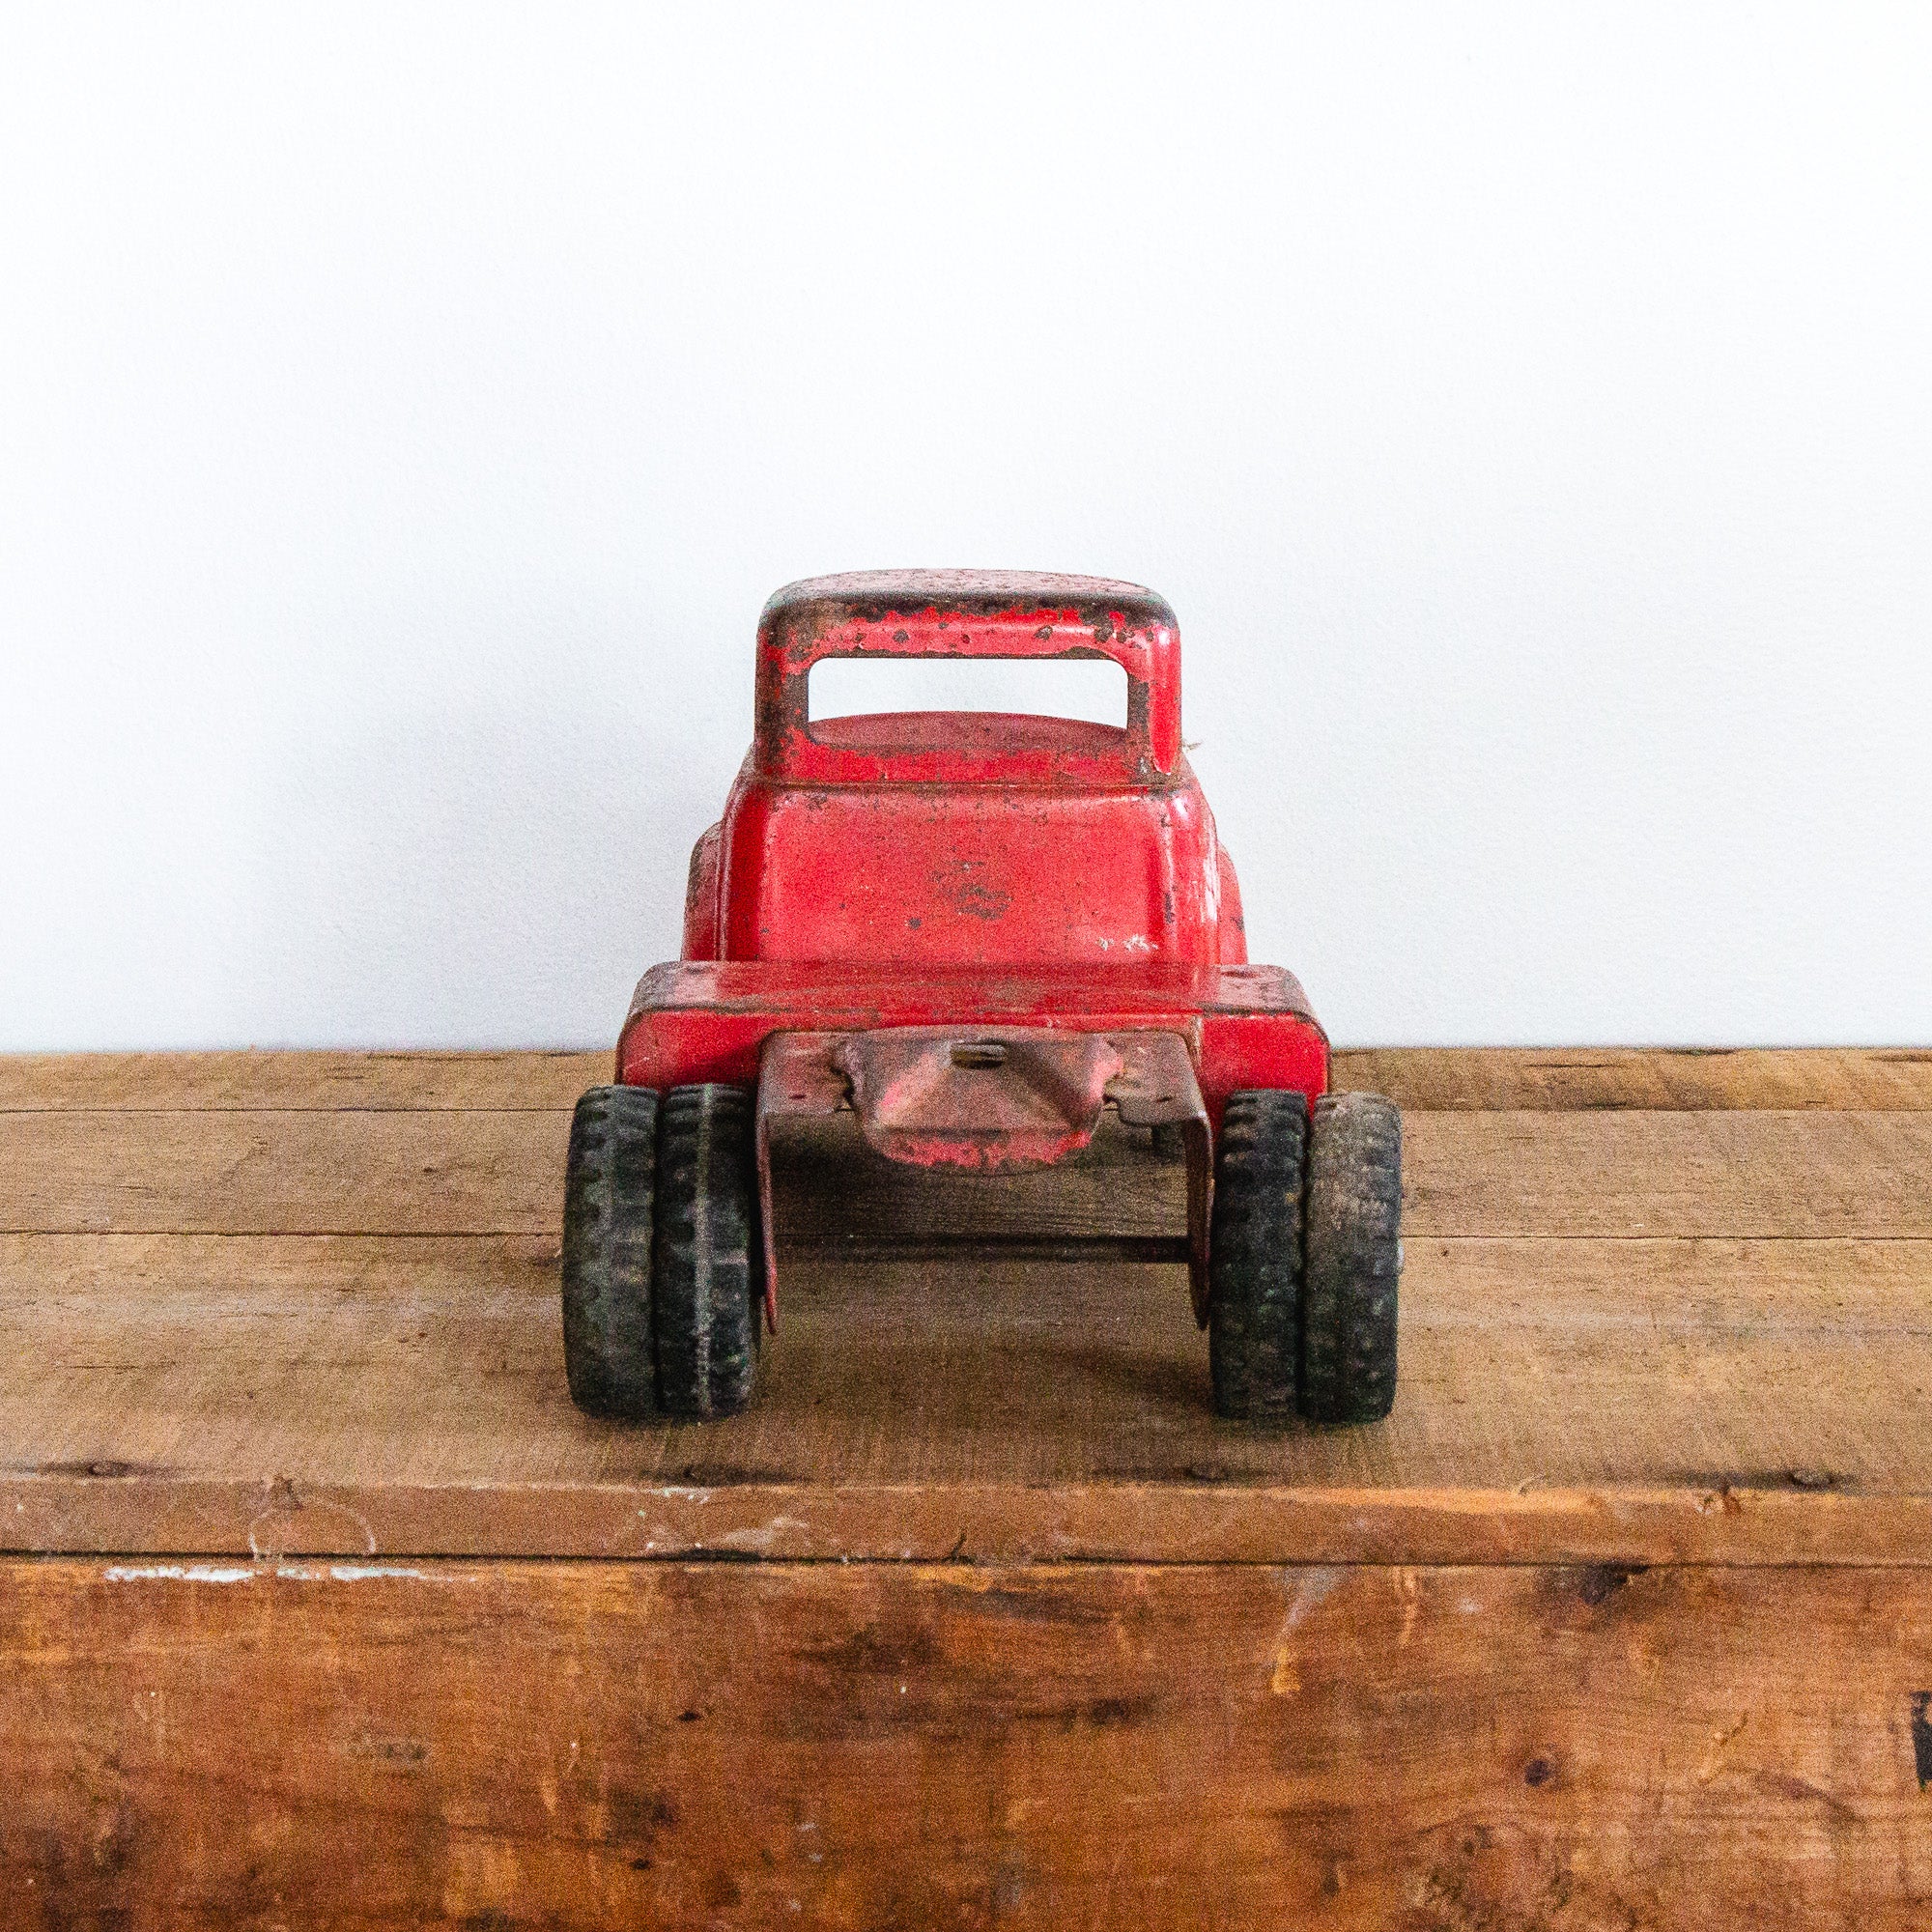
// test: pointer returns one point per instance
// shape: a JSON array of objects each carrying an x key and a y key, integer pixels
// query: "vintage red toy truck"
[{"x": 974, "y": 932}]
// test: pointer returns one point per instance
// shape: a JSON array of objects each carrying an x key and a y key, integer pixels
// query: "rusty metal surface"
[
  {"x": 967, "y": 614},
  {"x": 963, "y": 613},
  {"x": 796, "y": 1078},
  {"x": 989, "y": 1097},
  {"x": 1156, "y": 1088},
  {"x": 815, "y": 603},
  {"x": 1044, "y": 992}
]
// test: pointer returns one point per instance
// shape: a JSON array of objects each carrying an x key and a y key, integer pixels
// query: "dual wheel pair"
[
  {"x": 1304, "y": 1255},
  {"x": 664, "y": 1270}
]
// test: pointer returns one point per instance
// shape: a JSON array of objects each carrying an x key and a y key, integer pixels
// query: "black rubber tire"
[
  {"x": 1352, "y": 1259},
  {"x": 607, "y": 1197},
  {"x": 708, "y": 1285},
  {"x": 1254, "y": 1266}
]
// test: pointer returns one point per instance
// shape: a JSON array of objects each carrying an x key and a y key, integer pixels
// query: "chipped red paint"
[
  {"x": 1246, "y": 1026},
  {"x": 979, "y": 877}
]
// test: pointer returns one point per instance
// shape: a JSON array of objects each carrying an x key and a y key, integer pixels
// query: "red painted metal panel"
[
  {"x": 701, "y": 898},
  {"x": 1246, "y": 1026},
  {"x": 991, "y": 874}
]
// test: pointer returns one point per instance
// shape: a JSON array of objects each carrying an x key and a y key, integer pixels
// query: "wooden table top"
[{"x": 1657, "y": 1306}]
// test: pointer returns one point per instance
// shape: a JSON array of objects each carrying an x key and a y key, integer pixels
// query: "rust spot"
[
  {"x": 1538, "y": 1771},
  {"x": 981, "y": 901}
]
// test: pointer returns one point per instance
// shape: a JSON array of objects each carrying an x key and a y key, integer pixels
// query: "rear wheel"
[
  {"x": 608, "y": 1188},
  {"x": 1353, "y": 1259},
  {"x": 1254, "y": 1269},
  {"x": 707, "y": 1278}
]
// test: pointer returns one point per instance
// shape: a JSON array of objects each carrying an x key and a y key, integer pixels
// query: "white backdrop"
[{"x": 404, "y": 411}]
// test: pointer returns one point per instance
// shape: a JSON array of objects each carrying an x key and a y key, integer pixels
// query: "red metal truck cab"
[
  {"x": 963, "y": 838},
  {"x": 974, "y": 933}
]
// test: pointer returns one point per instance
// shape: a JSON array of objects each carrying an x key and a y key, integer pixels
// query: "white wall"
[{"x": 405, "y": 410}]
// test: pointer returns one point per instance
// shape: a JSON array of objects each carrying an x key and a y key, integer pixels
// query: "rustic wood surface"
[
  {"x": 326, "y": 1607},
  {"x": 1439, "y": 1079},
  {"x": 601, "y": 1745}
]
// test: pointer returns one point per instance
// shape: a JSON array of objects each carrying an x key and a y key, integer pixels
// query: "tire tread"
[
  {"x": 1255, "y": 1255},
  {"x": 610, "y": 1184},
  {"x": 1354, "y": 1247},
  {"x": 707, "y": 1275}
]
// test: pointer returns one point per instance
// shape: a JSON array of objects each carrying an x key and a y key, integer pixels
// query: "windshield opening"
[{"x": 1090, "y": 691}]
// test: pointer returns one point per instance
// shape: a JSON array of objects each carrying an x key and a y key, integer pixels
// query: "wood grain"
[
  {"x": 1579, "y": 1399},
  {"x": 1623, "y": 1619},
  {"x": 886, "y": 1746},
  {"x": 377, "y": 1172},
  {"x": 1740, "y": 1175},
  {"x": 1427, "y": 1079},
  {"x": 320, "y": 1081},
  {"x": 1705, "y": 1079}
]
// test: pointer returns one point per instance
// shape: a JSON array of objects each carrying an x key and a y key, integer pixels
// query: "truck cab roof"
[
  {"x": 816, "y": 603},
  {"x": 967, "y": 614}
]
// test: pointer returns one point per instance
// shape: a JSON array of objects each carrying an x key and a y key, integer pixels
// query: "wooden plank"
[
  {"x": 1411, "y": 1676},
  {"x": 873, "y": 1745},
  {"x": 486, "y": 1170},
  {"x": 1426, "y": 1079},
  {"x": 1574, "y": 1079},
  {"x": 1620, "y": 1399},
  {"x": 279, "y": 1080},
  {"x": 385, "y": 1172},
  {"x": 1735, "y": 1174}
]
